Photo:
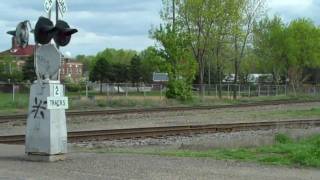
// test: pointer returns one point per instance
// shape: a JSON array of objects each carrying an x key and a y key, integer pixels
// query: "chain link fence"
[{"x": 16, "y": 92}]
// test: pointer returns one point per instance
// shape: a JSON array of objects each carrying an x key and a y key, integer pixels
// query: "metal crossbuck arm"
[
  {"x": 62, "y": 7},
  {"x": 48, "y": 5}
]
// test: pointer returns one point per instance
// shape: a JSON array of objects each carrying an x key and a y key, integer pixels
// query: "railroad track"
[
  {"x": 23, "y": 117},
  {"x": 156, "y": 132}
]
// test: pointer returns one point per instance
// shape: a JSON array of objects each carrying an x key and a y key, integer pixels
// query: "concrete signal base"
[
  {"x": 46, "y": 133},
  {"x": 45, "y": 158}
]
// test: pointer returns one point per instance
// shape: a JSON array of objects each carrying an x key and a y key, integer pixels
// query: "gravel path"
[
  {"x": 230, "y": 115},
  {"x": 80, "y": 166}
]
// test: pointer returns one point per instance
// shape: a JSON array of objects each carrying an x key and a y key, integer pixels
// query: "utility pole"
[
  {"x": 57, "y": 17},
  {"x": 173, "y": 15},
  {"x": 209, "y": 75}
]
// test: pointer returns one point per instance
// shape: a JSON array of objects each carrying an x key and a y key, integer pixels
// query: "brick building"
[{"x": 69, "y": 67}]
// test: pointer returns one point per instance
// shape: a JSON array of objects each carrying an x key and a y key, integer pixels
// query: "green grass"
[
  {"x": 136, "y": 100},
  {"x": 7, "y": 104},
  {"x": 285, "y": 114},
  {"x": 307, "y": 112},
  {"x": 301, "y": 153}
]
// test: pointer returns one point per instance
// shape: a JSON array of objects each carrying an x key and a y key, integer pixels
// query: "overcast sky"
[{"x": 120, "y": 23}]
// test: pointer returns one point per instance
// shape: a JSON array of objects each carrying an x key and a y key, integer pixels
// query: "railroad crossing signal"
[
  {"x": 45, "y": 31},
  {"x": 61, "y": 3}
]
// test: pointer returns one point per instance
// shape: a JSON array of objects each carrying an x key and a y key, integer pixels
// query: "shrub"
[
  {"x": 179, "y": 89},
  {"x": 283, "y": 139}
]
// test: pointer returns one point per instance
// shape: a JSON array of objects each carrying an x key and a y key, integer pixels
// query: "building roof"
[
  {"x": 27, "y": 51},
  {"x": 20, "y": 52}
]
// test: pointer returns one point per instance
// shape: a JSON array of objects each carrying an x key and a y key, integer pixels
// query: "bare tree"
[
  {"x": 242, "y": 30},
  {"x": 197, "y": 18}
]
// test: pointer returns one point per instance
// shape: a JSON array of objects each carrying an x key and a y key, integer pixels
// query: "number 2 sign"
[{"x": 57, "y": 91}]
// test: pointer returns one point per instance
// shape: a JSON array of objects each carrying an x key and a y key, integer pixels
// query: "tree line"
[
  {"x": 203, "y": 41},
  {"x": 123, "y": 66},
  {"x": 11, "y": 72}
]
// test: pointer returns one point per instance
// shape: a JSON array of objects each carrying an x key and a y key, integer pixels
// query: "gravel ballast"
[{"x": 229, "y": 115}]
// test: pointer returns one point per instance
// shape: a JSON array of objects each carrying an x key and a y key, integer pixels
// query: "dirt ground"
[{"x": 82, "y": 165}]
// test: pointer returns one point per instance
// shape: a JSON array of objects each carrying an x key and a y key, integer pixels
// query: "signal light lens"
[
  {"x": 64, "y": 33},
  {"x": 45, "y": 31}
]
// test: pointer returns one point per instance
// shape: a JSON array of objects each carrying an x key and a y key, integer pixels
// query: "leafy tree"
[
  {"x": 181, "y": 65},
  {"x": 244, "y": 17},
  {"x": 28, "y": 70},
  {"x": 151, "y": 62},
  {"x": 102, "y": 72},
  {"x": 271, "y": 46},
  {"x": 286, "y": 50},
  {"x": 117, "y": 56},
  {"x": 135, "y": 69},
  {"x": 9, "y": 70},
  {"x": 226, "y": 14},
  {"x": 196, "y": 18},
  {"x": 120, "y": 72},
  {"x": 304, "y": 40}
]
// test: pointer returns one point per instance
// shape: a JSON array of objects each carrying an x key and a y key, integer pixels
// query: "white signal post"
[{"x": 46, "y": 132}]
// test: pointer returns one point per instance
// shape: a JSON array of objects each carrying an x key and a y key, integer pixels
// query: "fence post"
[
  {"x": 87, "y": 89},
  {"x": 107, "y": 90},
  {"x": 249, "y": 90},
  {"x": 259, "y": 90},
  {"x": 160, "y": 92},
  {"x": 13, "y": 93},
  {"x": 285, "y": 90},
  {"x": 216, "y": 91},
  {"x": 126, "y": 90},
  {"x": 239, "y": 90},
  {"x": 268, "y": 90},
  {"x": 276, "y": 90},
  {"x": 228, "y": 91}
]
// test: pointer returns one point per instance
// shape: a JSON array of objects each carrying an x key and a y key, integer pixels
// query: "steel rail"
[
  {"x": 156, "y": 132},
  {"x": 19, "y": 117}
]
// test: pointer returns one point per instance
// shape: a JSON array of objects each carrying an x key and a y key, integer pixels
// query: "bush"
[
  {"x": 75, "y": 87},
  {"x": 179, "y": 89},
  {"x": 283, "y": 139},
  {"x": 72, "y": 86}
]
